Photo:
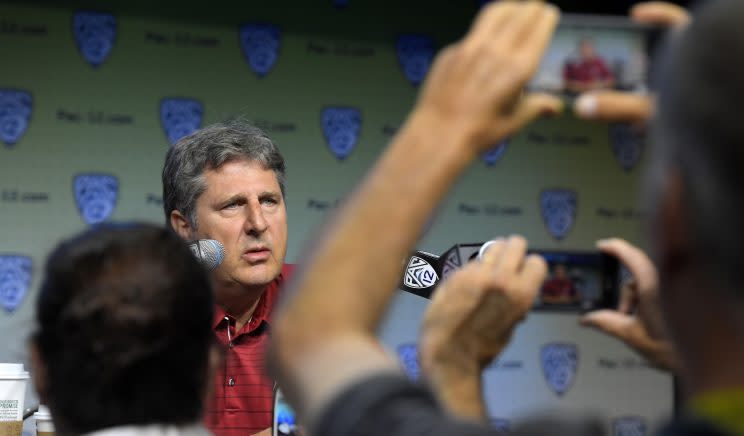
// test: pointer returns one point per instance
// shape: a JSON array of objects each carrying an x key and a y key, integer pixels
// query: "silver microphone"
[{"x": 208, "y": 252}]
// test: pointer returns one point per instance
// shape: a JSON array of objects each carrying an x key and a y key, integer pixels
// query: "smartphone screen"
[
  {"x": 285, "y": 423},
  {"x": 578, "y": 281},
  {"x": 590, "y": 52}
]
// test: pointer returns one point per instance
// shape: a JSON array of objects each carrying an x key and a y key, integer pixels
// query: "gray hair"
[{"x": 210, "y": 148}]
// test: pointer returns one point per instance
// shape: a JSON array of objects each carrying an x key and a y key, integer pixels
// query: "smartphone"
[
  {"x": 595, "y": 52},
  {"x": 285, "y": 422},
  {"x": 578, "y": 281}
]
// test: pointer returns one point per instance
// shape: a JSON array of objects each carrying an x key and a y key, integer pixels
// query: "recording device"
[
  {"x": 285, "y": 423},
  {"x": 208, "y": 252},
  {"x": 577, "y": 281},
  {"x": 593, "y": 52}
]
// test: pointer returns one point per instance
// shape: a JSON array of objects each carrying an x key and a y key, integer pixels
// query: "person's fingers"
[
  {"x": 660, "y": 14},
  {"x": 491, "y": 18},
  {"x": 609, "y": 321},
  {"x": 639, "y": 265},
  {"x": 531, "y": 106},
  {"x": 512, "y": 257},
  {"x": 533, "y": 275},
  {"x": 614, "y": 106},
  {"x": 628, "y": 298},
  {"x": 537, "y": 36},
  {"x": 522, "y": 25},
  {"x": 491, "y": 251}
]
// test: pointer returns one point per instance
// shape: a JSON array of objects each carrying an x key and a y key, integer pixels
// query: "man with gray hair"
[{"x": 226, "y": 182}]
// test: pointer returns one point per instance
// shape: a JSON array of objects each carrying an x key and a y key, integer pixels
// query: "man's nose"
[{"x": 255, "y": 222}]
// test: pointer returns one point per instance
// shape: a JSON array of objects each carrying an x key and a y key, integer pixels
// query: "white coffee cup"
[
  {"x": 44, "y": 424},
  {"x": 13, "y": 379}
]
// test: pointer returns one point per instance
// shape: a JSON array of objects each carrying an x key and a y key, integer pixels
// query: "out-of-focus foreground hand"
[
  {"x": 638, "y": 320},
  {"x": 476, "y": 86},
  {"x": 471, "y": 319},
  {"x": 626, "y": 106}
]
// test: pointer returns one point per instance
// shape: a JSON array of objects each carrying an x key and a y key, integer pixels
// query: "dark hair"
[
  {"x": 699, "y": 132},
  {"x": 124, "y": 329},
  {"x": 211, "y": 147}
]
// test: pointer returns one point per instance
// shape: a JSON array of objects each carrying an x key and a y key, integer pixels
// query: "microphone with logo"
[{"x": 208, "y": 252}]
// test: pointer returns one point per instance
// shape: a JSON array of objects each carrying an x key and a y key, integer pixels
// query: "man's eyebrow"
[
  {"x": 269, "y": 194},
  {"x": 232, "y": 198}
]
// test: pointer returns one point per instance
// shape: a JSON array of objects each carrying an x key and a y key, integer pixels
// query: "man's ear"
[
  {"x": 672, "y": 229},
  {"x": 181, "y": 225},
  {"x": 38, "y": 372}
]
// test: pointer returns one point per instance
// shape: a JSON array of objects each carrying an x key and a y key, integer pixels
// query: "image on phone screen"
[{"x": 595, "y": 53}]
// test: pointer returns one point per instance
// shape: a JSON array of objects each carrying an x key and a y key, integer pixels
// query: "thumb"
[
  {"x": 530, "y": 107},
  {"x": 612, "y": 322}
]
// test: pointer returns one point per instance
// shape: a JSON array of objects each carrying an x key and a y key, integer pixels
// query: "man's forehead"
[{"x": 230, "y": 172}]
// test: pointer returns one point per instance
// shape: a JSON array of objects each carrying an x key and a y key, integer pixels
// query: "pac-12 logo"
[
  {"x": 629, "y": 426},
  {"x": 627, "y": 143},
  {"x": 559, "y": 364},
  {"x": 419, "y": 274},
  {"x": 95, "y": 33},
  {"x": 492, "y": 156},
  {"x": 15, "y": 113},
  {"x": 180, "y": 117},
  {"x": 558, "y": 207},
  {"x": 95, "y": 196},
  {"x": 415, "y": 54},
  {"x": 260, "y": 44},
  {"x": 15, "y": 280},
  {"x": 408, "y": 355},
  {"x": 501, "y": 425},
  {"x": 341, "y": 127}
]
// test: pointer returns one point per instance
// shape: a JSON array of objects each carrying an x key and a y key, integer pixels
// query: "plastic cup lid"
[
  {"x": 13, "y": 371},
  {"x": 43, "y": 414}
]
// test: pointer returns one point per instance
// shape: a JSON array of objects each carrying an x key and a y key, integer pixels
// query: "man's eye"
[
  {"x": 270, "y": 201},
  {"x": 230, "y": 206}
]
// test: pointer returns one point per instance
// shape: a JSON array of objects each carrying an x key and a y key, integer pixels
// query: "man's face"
[
  {"x": 586, "y": 49},
  {"x": 243, "y": 208}
]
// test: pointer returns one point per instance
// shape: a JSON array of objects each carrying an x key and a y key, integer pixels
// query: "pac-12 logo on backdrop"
[
  {"x": 260, "y": 44},
  {"x": 559, "y": 364},
  {"x": 15, "y": 113},
  {"x": 15, "y": 280},
  {"x": 341, "y": 127},
  {"x": 95, "y": 33},
  {"x": 629, "y": 426},
  {"x": 627, "y": 142},
  {"x": 95, "y": 196},
  {"x": 558, "y": 207},
  {"x": 180, "y": 117},
  {"x": 501, "y": 425},
  {"x": 415, "y": 54},
  {"x": 408, "y": 355},
  {"x": 494, "y": 155}
]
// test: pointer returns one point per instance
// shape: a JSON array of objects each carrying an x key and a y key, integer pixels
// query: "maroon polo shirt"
[
  {"x": 243, "y": 392},
  {"x": 587, "y": 71}
]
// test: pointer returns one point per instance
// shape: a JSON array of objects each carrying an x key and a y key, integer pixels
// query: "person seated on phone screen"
[
  {"x": 325, "y": 351},
  {"x": 559, "y": 289},
  {"x": 123, "y": 343},
  {"x": 588, "y": 72}
]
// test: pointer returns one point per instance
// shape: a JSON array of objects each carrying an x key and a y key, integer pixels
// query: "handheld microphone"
[{"x": 208, "y": 252}]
